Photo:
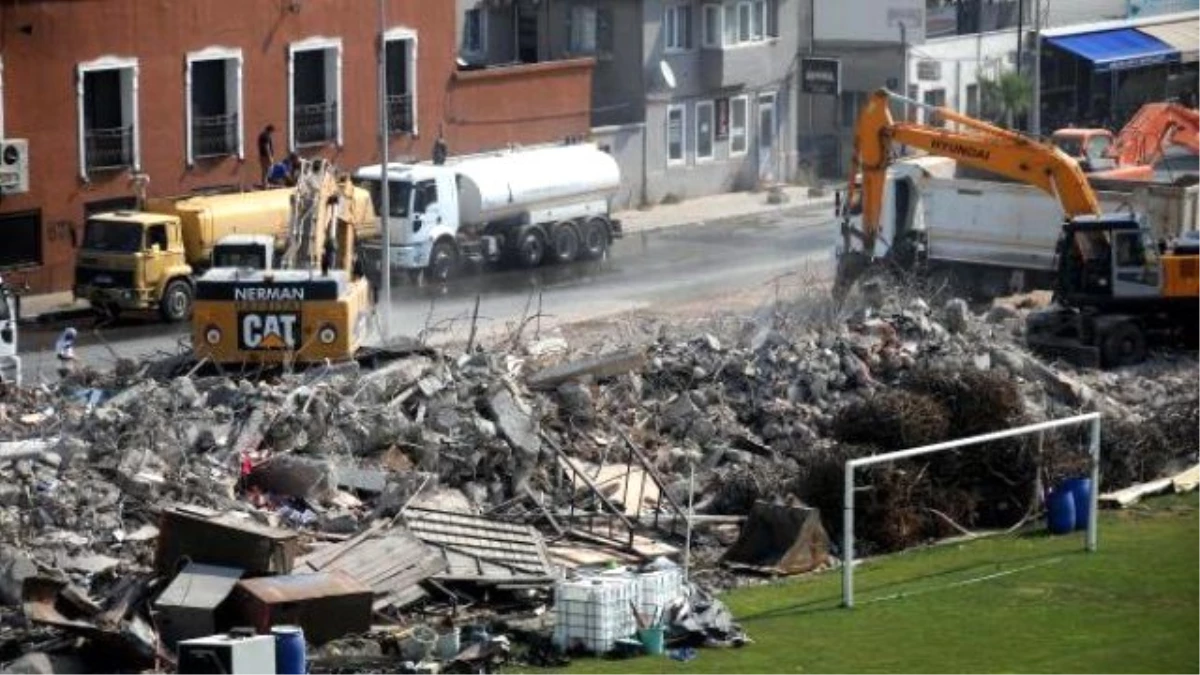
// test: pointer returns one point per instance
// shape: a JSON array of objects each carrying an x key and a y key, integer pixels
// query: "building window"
[
  {"x": 737, "y": 125},
  {"x": 589, "y": 30},
  {"x": 677, "y": 27},
  {"x": 851, "y": 102},
  {"x": 676, "y": 141},
  {"x": 401, "y": 81},
  {"x": 106, "y": 97},
  {"x": 475, "y": 31},
  {"x": 973, "y": 100},
  {"x": 214, "y": 95},
  {"x": 736, "y": 23},
  {"x": 315, "y": 92},
  {"x": 766, "y": 120},
  {"x": 937, "y": 99},
  {"x": 712, "y": 25},
  {"x": 704, "y": 130},
  {"x": 22, "y": 239}
]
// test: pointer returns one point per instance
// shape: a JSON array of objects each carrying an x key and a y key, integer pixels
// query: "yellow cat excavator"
[
  {"x": 1114, "y": 284},
  {"x": 314, "y": 308}
]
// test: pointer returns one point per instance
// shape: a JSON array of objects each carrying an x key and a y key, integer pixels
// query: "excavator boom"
[
  {"x": 1156, "y": 125},
  {"x": 983, "y": 146}
]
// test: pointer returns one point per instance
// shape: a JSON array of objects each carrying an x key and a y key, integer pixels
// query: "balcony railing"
[
  {"x": 110, "y": 148},
  {"x": 400, "y": 113},
  {"x": 215, "y": 135},
  {"x": 315, "y": 123}
]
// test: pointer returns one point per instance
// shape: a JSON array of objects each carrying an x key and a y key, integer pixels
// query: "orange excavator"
[
  {"x": 1114, "y": 285},
  {"x": 1132, "y": 154}
]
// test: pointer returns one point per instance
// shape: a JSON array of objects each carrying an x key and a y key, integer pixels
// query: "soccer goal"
[{"x": 1093, "y": 419}]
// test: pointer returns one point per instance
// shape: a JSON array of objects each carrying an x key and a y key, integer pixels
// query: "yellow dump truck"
[{"x": 148, "y": 260}]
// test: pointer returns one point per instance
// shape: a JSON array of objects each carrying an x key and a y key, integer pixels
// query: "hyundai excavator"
[
  {"x": 313, "y": 309},
  {"x": 1141, "y": 143},
  {"x": 1114, "y": 285}
]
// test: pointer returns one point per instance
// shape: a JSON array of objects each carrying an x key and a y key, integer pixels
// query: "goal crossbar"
[{"x": 1093, "y": 419}]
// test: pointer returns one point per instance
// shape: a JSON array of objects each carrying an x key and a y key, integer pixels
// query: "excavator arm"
[
  {"x": 983, "y": 146},
  {"x": 1155, "y": 125}
]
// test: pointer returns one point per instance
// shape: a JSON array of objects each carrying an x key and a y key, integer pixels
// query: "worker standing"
[
  {"x": 64, "y": 351},
  {"x": 266, "y": 151}
]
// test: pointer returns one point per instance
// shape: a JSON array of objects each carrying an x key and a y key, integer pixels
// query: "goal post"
[{"x": 1092, "y": 419}]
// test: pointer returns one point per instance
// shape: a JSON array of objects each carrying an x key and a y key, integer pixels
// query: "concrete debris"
[{"x": 435, "y": 475}]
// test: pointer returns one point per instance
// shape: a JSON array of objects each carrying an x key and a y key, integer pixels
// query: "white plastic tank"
[{"x": 506, "y": 185}]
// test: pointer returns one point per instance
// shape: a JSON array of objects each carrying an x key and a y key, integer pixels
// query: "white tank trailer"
[{"x": 530, "y": 206}]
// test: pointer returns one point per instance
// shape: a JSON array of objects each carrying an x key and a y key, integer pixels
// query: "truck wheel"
[
  {"x": 442, "y": 261},
  {"x": 531, "y": 248},
  {"x": 1124, "y": 345},
  {"x": 595, "y": 239},
  {"x": 566, "y": 243},
  {"x": 176, "y": 302}
]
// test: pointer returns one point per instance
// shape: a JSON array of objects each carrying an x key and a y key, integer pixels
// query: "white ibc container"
[
  {"x": 595, "y": 612},
  {"x": 659, "y": 588}
]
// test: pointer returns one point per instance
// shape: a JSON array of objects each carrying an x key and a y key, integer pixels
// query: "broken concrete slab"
[
  {"x": 15, "y": 568},
  {"x": 41, "y": 663},
  {"x": 369, "y": 481},
  {"x": 607, "y": 365},
  {"x": 516, "y": 423},
  {"x": 11, "y": 451},
  {"x": 295, "y": 476},
  {"x": 780, "y": 538}
]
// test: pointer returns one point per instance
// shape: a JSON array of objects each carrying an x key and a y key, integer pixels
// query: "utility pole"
[
  {"x": 385, "y": 206},
  {"x": 904, "y": 66},
  {"x": 1035, "y": 115},
  {"x": 1020, "y": 32}
]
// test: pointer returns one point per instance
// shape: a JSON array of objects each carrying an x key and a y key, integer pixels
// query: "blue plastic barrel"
[
  {"x": 1060, "y": 510},
  {"x": 1081, "y": 491},
  {"x": 290, "y": 650},
  {"x": 653, "y": 640}
]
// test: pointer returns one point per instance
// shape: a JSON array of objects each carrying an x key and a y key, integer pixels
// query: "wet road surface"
[{"x": 657, "y": 268}]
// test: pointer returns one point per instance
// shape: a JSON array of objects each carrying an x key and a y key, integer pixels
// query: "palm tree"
[{"x": 1007, "y": 96}]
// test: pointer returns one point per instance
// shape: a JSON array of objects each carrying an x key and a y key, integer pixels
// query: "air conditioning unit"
[{"x": 14, "y": 166}]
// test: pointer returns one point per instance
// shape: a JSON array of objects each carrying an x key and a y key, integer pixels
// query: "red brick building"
[{"x": 178, "y": 91}]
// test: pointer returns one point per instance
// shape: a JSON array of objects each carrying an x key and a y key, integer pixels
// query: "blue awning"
[{"x": 1117, "y": 49}]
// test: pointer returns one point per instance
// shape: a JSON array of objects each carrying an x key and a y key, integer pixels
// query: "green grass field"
[{"x": 1130, "y": 607}]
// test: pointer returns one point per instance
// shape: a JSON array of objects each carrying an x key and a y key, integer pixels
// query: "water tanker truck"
[{"x": 527, "y": 206}]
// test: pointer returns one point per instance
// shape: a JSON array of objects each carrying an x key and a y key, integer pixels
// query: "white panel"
[{"x": 868, "y": 20}]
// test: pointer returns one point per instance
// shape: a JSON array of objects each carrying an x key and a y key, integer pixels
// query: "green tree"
[{"x": 1005, "y": 97}]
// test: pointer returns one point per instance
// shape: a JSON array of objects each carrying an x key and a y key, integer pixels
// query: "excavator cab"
[{"x": 1107, "y": 258}]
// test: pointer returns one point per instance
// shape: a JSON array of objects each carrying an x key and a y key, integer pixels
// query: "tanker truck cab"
[
  {"x": 423, "y": 205},
  {"x": 134, "y": 260}
]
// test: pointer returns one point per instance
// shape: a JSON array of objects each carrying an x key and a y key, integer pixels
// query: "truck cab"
[
  {"x": 10, "y": 362},
  {"x": 423, "y": 209},
  {"x": 134, "y": 260},
  {"x": 1092, "y": 148}
]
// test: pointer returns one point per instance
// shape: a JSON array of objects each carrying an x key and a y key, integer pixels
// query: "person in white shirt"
[{"x": 64, "y": 349}]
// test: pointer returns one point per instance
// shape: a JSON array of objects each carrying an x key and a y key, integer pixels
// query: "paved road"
[{"x": 656, "y": 268}]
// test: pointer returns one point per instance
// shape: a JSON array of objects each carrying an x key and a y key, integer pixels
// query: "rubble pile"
[{"x": 350, "y": 457}]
